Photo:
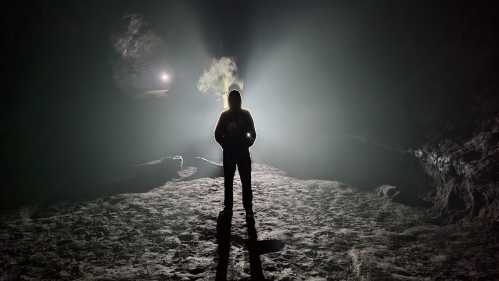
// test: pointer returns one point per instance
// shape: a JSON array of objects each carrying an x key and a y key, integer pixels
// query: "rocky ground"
[{"x": 331, "y": 232}]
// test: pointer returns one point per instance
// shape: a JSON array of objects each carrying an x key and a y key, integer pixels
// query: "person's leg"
[
  {"x": 244, "y": 167},
  {"x": 229, "y": 171}
]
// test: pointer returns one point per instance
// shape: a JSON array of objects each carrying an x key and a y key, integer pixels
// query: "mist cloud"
[
  {"x": 137, "y": 41},
  {"x": 138, "y": 47},
  {"x": 219, "y": 78}
]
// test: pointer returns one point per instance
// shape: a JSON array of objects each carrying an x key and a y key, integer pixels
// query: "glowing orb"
[
  {"x": 248, "y": 135},
  {"x": 164, "y": 77}
]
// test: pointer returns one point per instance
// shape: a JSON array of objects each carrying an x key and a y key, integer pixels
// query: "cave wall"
[{"x": 465, "y": 174}]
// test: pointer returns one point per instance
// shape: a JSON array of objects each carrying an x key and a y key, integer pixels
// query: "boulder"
[{"x": 388, "y": 191}]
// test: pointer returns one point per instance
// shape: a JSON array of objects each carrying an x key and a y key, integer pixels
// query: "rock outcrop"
[
  {"x": 465, "y": 175},
  {"x": 387, "y": 191}
]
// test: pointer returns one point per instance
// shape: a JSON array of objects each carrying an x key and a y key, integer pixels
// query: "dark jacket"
[{"x": 235, "y": 130}]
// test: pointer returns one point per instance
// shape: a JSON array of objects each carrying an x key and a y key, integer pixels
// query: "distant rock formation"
[{"x": 177, "y": 167}]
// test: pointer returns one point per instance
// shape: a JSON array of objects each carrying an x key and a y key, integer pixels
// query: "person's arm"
[
  {"x": 219, "y": 131},
  {"x": 251, "y": 130}
]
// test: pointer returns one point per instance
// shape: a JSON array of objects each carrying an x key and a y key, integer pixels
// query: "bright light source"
[{"x": 164, "y": 77}]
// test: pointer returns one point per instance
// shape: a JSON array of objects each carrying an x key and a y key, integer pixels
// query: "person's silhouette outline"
[{"x": 235, "y": 132}]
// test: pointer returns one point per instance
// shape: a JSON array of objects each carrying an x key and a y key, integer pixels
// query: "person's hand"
[{"x": 249, "y": 139}]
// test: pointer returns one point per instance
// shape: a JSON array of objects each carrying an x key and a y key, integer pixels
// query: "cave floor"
[{"x": 331, "y": 232}]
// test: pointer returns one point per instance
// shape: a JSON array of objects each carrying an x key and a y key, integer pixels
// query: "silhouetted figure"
[{"x": 235, "y": 132}]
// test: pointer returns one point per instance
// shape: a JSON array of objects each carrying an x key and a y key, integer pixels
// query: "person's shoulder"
[{"x": 245, "y": 112}]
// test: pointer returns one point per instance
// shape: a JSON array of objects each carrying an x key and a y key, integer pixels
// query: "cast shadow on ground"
[{"x": 255, "y": 248}]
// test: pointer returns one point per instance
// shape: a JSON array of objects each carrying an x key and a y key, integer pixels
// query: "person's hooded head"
[{"x": 234, "y": 100}]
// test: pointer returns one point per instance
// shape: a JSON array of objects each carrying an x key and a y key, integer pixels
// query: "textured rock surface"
[
  {"x": 331, "y": 231},
  {"x": 466, "y": 175}
]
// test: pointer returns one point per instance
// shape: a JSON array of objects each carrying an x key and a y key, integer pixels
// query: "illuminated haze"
[{"x": 336, "y": 89}]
